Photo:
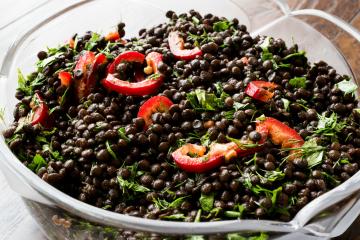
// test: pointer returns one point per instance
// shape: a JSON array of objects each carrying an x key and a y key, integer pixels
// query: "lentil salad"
[{"x": 80, "y": 128}]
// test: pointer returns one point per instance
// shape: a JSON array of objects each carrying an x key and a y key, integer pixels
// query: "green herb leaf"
[
  {"x": 111, "y": 152},
  {"x": 23, "y": 83},
  {"x": 298, "y": 82},
  {"x": 198, "y": 216},
  {"x": 329, "y": 126},
  {"x": 106, "y": 207},
  {"x": 163, "y": 204},
  {"x": 314, "y": 155},
  {"x": 93, "y": 41},
  {"x": 269, "y": 193},
  {"x": 131, "y": 186},
  {"x": 207, "y": 202},
  {"x": 331, "y": 179},
  {"x": 37, "y": 163},
  {"x": 232, "y": 214},
  {"x": 201, "y": 100},
  {"x": 178, "y": 216},
  {"x": 262, "y": 236},
  {"x": 235, "y": 236},
  {"x": 242, "y": 145},
  {"x": 286, "y": 103},
  {"x": 221, "y": 26},
  {"x": 195, "y": 20},
  {"x": 240, "y": 106},
  {"x": 49, "y": 60},
  {"x": 297, "y": 54},
  {"x": 63, "y": 97},
  {"x": 347, "y": 86},
  {"x": 122, "y": 134},
  {"x": 265, "y": 45},
  {"x": 272, "y": 176}
]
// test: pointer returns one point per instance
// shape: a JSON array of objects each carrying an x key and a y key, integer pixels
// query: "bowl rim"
[{"x": 104, "y": 217}]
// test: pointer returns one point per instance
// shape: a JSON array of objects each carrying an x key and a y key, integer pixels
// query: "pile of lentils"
[{"x": 97, "y": 150}]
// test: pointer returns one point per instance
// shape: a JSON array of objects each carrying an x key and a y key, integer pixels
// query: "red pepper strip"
[
  {"x": 202, "y": 162},
  {"x": 88, "y": 64},
  {"x": 261, "y": 90},
  {"x": 128, "y": 56},
  {"x": 282, "y": 134},
  {"x": 40, "y": 111},
  {"x": 176, "y": 44},
  {"x": 153, "y": 105},
  {"x": 145, "y": 87},
  {"x": 216, "y": 155},
  {"x": 112, "y": 36},
  {"x": 65, "y": 78}
]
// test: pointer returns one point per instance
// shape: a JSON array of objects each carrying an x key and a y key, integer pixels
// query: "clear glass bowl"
[{"x": 62, "y": 217}]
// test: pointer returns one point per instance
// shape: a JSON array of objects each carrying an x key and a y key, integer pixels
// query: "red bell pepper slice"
[
  {"x": 65, "y": 78},
  {"x": 141, "y": 87},
  {"x": 192, "y": 157},
  {"x": 153, "y": 105},
  {"x": 88, "y": 64},
  {"x": 281, "y": 134},
  {"x": 40, "y": 111},
  {"x": 176, "y": 44},
  {"x": 217, "y": 153},
  {"x": 112, "y": 36},
  {"x": 261, "y": 90},
  {"x": 128, "y": 56}
]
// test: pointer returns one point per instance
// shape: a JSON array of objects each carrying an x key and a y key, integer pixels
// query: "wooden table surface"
[{"x": 17, "y": 224}]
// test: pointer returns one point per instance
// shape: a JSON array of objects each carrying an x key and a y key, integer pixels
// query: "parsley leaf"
[
  {"x": 296, "y": 54},
  {"x": 298, "y": 82},
  {"x": 329, "y": 126},
  {"x": 207, "y": 202},
  {"x": 131, "y": 186},
  {"x": 23, "y": 83},
  {"x": 111, "y": 152},
  {"x": 201, "y": 100},
  {"x": 37, "y": 163},
  {"x": 93, "y": 41},
  {"x": 122, "y": 134},
  {"x": 347, "y": 86},
  {"x": 49, "y": 60},
  {"x": 221, "y": 26},
  {"x": 286, "y": 103},
  {"x": 162, "y": 204},
  {"x": 195, "y": 20}
]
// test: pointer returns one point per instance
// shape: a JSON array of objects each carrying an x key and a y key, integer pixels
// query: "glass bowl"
[{"x": 62, "y": 217}]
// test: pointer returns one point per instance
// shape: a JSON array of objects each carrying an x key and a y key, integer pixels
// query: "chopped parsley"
[
  {"x": 122, "y": 134},
  {"x": 2, "y": 114},
  {"x": 37, "y": 162},
  {"x": 296, "y": 54},
  {"x": 162, "y": 204},
  {"x": 207, "y": 202},
  {"x": 286, "y": 104},
  {"x": 329, "y": 126},
  {"x": 93, "y": 41},
  {"x": 202, "y": 101},
  {"x": 298, "y": 82},
  {"x": 132, "y": 186},
  {"x": 221, "y": 26},
  {"x": 347, "y": 86},
  {"x": 110, "y": 151}
]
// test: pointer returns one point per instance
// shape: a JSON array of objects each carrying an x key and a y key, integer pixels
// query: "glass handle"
[{"x": 331, "y": 18}]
